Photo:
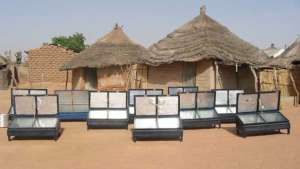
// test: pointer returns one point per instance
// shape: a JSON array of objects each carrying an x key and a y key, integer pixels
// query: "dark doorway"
[
  {"x": 91, "y": 80},
  {"x": 189, "y": 74}
]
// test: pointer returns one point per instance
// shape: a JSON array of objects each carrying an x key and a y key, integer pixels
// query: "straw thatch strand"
[
  {"x": 204, "y": 38},
  {"x": 113, "y": 49},
  {"x": 289, "y": 59}
]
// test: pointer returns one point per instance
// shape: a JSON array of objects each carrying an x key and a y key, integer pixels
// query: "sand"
[{"x": 78, "y": 148}]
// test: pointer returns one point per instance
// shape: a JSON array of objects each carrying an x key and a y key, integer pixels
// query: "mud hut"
[
  {"x": 206, "y": 54},
  {"x": 108, "y": 64},
  {"x": 4, "y": 73},
  {"x": 283, "y": 72},
  {"x": 45, "y": 63}
]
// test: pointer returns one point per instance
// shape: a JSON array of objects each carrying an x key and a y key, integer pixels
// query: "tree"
[
  {"x": 74, "y": 42},
  {"x": 19, "y": 57}
]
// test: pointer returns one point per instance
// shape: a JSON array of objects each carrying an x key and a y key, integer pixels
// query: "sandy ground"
[{"x": 78, "y": 148}]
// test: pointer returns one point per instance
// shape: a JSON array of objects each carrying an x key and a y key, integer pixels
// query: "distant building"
[
  {"x": 45, "y": 62},
  {"x": 272, "y": 51}
]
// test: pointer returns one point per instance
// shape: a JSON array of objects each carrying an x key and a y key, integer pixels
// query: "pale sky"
[{"x": 26, "y": 24}]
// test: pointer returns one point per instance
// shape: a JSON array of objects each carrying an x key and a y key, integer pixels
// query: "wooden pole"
[
  {"x": 237, "y": 76},
  {"x": 275, "y": 78},
  {"x": 67, "y": 80},
  {"x": 295, "y": 87},
  {"x": 217, "y": 76},
  {"x": 255, "y": 78}
]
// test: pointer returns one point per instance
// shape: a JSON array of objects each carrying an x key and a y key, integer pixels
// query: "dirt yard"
[{"x": 78, "y": 148}]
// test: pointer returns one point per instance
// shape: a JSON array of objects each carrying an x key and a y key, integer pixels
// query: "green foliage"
[
  {"x": 74, "y": 42},
  {"x": 19, "y": 57}
]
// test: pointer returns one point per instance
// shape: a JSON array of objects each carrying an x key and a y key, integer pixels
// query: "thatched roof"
[
  {"x": 115, "y": 48},
  {"x": 289, "y": 58},
  {"x": 3, "y": 61},
  {"x": 205, "y": 38}
]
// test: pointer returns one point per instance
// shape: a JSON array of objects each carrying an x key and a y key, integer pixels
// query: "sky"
[{"x": 27, "y": 24}]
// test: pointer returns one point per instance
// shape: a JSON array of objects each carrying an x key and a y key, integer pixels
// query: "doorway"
[
  {"x": 189, "y": 74},
  {"x": 91, "y": 80}
]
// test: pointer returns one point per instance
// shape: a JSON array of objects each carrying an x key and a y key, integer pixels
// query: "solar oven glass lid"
[
  {"x": 80, "y": 97},
  {"x": 250, "y": 118},
  {"x": 205, "y": 100},
  {"x": 209, "y": 113},
  {"x": 168, "y": 105},
  {"x": 20, "y": 92},
  {"x": 132, "y": 93},
  {"x": 173, "y": 91},
  {"x": 25, "y": 105},
  {"x": 247, "y": 103},
  {"x": 98, "y": 100},
  {"x": 65, "y": 97},
  {"x": 269, "y": 101},
  {"x": 187, "y": 100},
  {"x": 30, "y": 122},
  {"x": 37, "y": 92},
  {"x": 271, "y": 117},
  {"x": 145, "y": 106},
  {"x": 190, "y": 89},
  {"x": 221, "y": 97},
  {"x": 47, "y": 105},
  {"x": 154, "y": 92},
  {"x": 233, "y": 96},
  {"x": 117, "y": 100}
]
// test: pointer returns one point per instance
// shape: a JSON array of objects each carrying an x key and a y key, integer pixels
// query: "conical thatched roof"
[
  {"x": 115, "y": 48},
  {"x": 3, "y": 61},
  {"x": 289, "y": 58},
  {"x": 205, "y": 38}
]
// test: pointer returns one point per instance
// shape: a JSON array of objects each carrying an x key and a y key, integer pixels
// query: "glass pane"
[
  {"x": 80, "y": 97},
  {"x": 168, "y": 105},
  {"x": 250, "y": 118},
  {"x": 187, "y": 100},
  {"x": 247, "y": 103},
  {"x": 206, "y": 114},
  {"x": 205, "y": 100},
  {"x": 190, "y": 89},
  {"x": 273, "y": 117},
  {"x": 175, "y": 90},
  {"x": 133, "y": 93},
  {"x": 269, "y": 101},
  {"x": 47, "y": 104},
  {"x": 221, "y": 97},
  {"x": 233, "y": 96},
  {"x": 155, "y": 92},
  {"x": 117, "y": 100},
  {"x": 98, "y": 100},
  {"x": 25, "y": 105},
  {"x": 145, "y": 105}
]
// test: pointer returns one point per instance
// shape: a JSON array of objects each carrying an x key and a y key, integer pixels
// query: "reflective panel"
[
  {"x": 145, "y": 105},
  {"x": 65, "y": 97},
  {"x": 225, "y": 110},
  {"x": 20, "y": 92},
  {"x": 80, "y": 97},
  {"x": 117, "y": 114},
  {"x": 250, "y": 118},
  {"x": 187, "y": 100},
  {"x": 98, "y": 100},
  {"x": 132, "y": 93},
  {"x": 221, "y": 97},
  {"x": 247, "y": 103},
  {"x": 98, "y": 114},
  {"x": 269, "y": 101},
  {"x": 47, "y": 105},
  {"x": 25, "y": 105},
  {"x": 273, "y": 117},
  {"x": 117, "y": 100},
  {"x": 37, "y": 92},
  {"x": 205, "y": 100},
  {"x": 168, "y": 105},
  {"x": 131, "y": 110},
  {"x": 190, "y": 89},
  {"x": 233, "y": 96},
  {"x": 154, "y": 92},
  {"x": 175, "y": 90}
]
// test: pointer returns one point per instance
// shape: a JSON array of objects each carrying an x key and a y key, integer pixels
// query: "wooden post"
[
  {"x": 255, "y": 78},
  {"x": 295, "y": 87},
  {"x": 237, "y": 76},
  {"x": 67, "y": 80},
  {"x": 275, "y": 78},
  {"x": 217, "y": 76}
]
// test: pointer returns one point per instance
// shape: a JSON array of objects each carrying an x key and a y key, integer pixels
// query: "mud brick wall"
[{"x": 45, "y": 62}]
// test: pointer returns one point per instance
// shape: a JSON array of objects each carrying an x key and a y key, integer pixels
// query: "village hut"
[
  {"x": 108, "y": 64},
  {"x": 206, "y": 54},
  {"x": 283, "y": 72},
  {"x": 4, "y": 73},
  {"x": 45, "y": 63},
  {"x": 273, "y": 51}
]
